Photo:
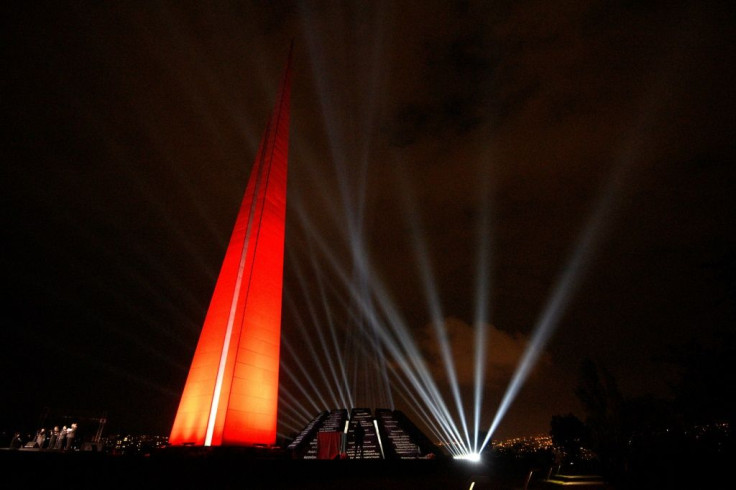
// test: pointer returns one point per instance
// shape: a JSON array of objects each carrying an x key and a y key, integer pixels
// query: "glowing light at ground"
[{"x": 472, "y": 457}]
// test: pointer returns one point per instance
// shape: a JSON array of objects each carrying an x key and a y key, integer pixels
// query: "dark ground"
[
  {"x": 185, "y": 468},
  {"x": 226, "y": 470}
]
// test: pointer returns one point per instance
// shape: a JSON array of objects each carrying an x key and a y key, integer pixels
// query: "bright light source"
[{"x": 473, "y": 457}]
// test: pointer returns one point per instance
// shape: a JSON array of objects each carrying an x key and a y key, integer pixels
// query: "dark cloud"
[
  {"x": 455, "y": 83},
  {"x": 503, "y": 352}
]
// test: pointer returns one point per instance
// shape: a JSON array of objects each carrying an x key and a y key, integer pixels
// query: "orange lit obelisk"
[{"x": 231, "y": 394}]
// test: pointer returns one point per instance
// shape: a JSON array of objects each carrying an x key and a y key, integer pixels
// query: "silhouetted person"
[
  {"x": 60, "y": 439},
  {"x": 70, "y": 433},
  {"x": 40, "y": 437},
  {"x": 359, "y": 434},
  {"x": 16, "y": 442},
  {"x": 54, "y": 437}
]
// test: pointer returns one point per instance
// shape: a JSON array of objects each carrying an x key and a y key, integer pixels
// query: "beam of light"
[
  {"x": 361, "y": 117},
  {"x": 357, "y": 287},
  {"x": 415, "y": 369},
  {"x": 386, "y": 331},
  {"x": 440, "y": 425},
  {"x": 367, "y": 353},
  {"x": 294, "y": 404},
  {"x": 308, "y": 396},
  {"x": 551, "y": 314},
  {"x": 286, "y": 436},
  {"x": 378, "y": 436},
  {"x": 352, "y": 196},
  {"x": 407, "y": 357},
  {"x": 411, "y": 215},
  {"x": 292, "y": 423},
  {"x": 373, "y": 355},
  {"x": 383, "y": 371},
  {"x": 395, "y": 334},
  {"x": 345, "y": 391},
  {"x": 289, "y": 415},
  {"x": 392, "y": 332},
  {"x": 585, "y": 246},
  {"x": 400, "y": 345},
  {"x": 293, "y": 415},
  {"x": 302, "y": 327},
  {"x": 359, "y": 298},
  {"x": 315, "y": 321},
  {"x": 431, "y": 421},
  {"x": 563, "y": 291},
  {"x": 360, "y": 287},
  {"x": 295, "y": 358},
  {"x": 352, "y": 187},
  {"x": 482, "y": 302},
  {"x": 405, "y": 354}
]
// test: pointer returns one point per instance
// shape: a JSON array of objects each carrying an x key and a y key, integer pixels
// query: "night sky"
[{"x": 589, "y": 138}]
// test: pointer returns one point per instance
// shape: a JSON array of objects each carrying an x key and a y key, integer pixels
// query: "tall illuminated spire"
[{"x": 231, "y": 394}]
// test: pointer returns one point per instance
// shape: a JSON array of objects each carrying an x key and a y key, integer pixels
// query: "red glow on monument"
[{"x": 231, "y": 394}]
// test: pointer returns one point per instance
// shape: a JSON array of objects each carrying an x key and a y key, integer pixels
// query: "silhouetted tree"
[
  {"x": 703, "y": 393},
  {"x": 655, "y": 442},
  {"x": 603, "y": 404},
  {"x": 570, "y": 434}
]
